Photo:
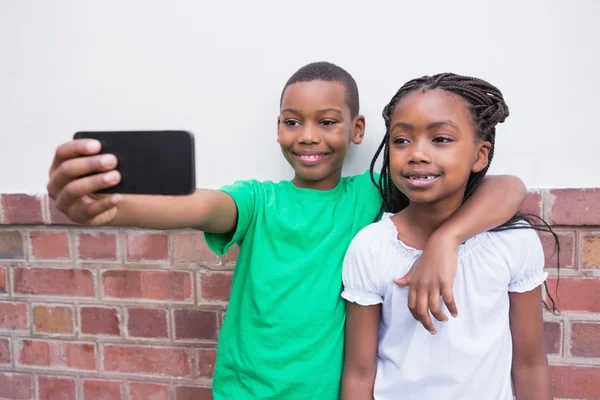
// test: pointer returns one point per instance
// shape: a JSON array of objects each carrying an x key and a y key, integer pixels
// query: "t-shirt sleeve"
[
  {"x": 526, "y": 264},
  {"x": 244, "y": 194},
  {"x": 359, "y": 274}
]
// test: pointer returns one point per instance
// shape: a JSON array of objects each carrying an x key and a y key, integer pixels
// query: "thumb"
[{"x": 405, "y": 280}]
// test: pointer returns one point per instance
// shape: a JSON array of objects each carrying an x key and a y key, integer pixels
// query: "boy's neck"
[
  {"x": 327, "y": 183},
  {"x": 421, "y": 220}
]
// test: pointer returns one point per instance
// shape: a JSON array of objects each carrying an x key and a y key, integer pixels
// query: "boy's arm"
[
  {"x": 360, "y": 358},
  {"x": 530, "y": 371},
  {"x": 495, "y": 201},
  {"x": 78, "y": 172}
]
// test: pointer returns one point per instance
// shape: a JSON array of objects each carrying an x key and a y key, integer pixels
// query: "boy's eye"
[
  {"x": 442, "y": 139},
  {"x": 328, "y": 122},
  {"x": 291, "y": 122}
]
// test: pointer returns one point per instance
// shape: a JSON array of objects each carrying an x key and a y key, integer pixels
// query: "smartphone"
[{"x": 150, "y": 162}]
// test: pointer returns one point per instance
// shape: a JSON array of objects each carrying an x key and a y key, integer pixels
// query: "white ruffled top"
[{"x": 470, "y": 356}]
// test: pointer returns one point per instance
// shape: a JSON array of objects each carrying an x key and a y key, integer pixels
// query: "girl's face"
[{"x": 433, "y": 146}]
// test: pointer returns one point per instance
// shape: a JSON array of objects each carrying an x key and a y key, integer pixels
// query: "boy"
[{"x": 284, "y": 331}]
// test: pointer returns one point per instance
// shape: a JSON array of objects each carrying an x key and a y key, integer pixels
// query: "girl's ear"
[
  {"x": 482, "y": 157},
  {"x": 358, "y": 131}
]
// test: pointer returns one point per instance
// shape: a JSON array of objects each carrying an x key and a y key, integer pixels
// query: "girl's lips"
[{"x": 424, "y": 181}]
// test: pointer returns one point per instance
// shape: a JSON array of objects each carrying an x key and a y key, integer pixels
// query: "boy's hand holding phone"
[{"x": 78, "y": 171}]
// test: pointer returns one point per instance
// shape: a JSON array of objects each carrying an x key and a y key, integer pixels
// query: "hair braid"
[{"x": 487, "y": 109}]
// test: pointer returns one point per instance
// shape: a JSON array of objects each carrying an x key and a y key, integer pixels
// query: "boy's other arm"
[
  {"x": 530, "y": 371},
  {"x": 360, "y": 359},
  {"x": 78, "y": 172},
  {"x": 495, "y": 201}
]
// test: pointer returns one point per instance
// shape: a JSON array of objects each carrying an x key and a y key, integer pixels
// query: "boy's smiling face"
[{"x": 314, "y": 129}]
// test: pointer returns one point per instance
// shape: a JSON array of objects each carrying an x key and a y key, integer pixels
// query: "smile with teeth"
[{"x": 428, "y": 177}]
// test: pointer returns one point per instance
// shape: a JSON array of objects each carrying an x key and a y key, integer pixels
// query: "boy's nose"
[{"x": 309, "y": 135}]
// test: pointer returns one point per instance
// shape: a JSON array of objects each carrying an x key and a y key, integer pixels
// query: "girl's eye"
[
  {"x": 442, "y": 139},
  {"x": 328, "y": 122},
  {"x": 400, "y": 140},
  {"x": 291, "y": 122}
]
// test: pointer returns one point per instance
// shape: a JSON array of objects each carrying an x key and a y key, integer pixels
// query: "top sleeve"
[
  {"x": 527, "y": 264},
  {"x": 360, "y": 273},
  {"x": 245, "y": 196}
]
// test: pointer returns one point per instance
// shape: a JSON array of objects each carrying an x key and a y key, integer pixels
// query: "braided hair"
[{"x": 487, "y": 109}]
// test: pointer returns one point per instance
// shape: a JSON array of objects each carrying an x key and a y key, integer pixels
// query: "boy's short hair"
[{"x": 325, "y": 71}]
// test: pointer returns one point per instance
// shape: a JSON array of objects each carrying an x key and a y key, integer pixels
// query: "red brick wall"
[{"x": 126, "y": 314}]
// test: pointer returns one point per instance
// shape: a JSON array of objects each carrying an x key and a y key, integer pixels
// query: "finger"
[
  {"x": 73, "y": 149},
  {"x": 412, "y": 302},
  {"x": 405, "y": 280},
  {"x": 100, "y": 212},
  {"x": 435, "y": 305},
  {"x": 76, "y": 168},
  {"x": 84, "y": 186},
  {"x": 423, "y": 311},
  {"x": 448, "y": 297}
]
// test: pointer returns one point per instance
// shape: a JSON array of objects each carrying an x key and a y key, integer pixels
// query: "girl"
[{"x": 439, "y": 142}]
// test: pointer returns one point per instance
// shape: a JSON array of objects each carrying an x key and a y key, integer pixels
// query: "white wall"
[{"x": 217, "y": 68}]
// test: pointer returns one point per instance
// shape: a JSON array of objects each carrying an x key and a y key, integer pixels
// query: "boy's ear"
[
  {"x": 358, "y": 131},
  {"x": 482, "y": 157},
  {"x": 278, "y": 123}
]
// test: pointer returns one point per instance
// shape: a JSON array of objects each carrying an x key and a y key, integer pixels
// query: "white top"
[{"x": 470, "y": 356}]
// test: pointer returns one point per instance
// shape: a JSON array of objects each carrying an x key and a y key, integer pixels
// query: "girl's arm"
[
  {"x": 530, "y": 371},
  {"x": 360, "y": 360},
  {"x": 495, "y": 201}
]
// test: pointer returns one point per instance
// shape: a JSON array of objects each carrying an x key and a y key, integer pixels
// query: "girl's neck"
[{"x": 421, "y": 220}]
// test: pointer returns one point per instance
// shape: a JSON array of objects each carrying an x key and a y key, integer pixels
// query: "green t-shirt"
[{"x": 283, "y": 334}]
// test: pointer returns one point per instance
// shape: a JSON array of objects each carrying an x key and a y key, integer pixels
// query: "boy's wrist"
[{"x": 448, "y": 234}]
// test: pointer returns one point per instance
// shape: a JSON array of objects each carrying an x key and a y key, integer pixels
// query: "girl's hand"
[{"x": 431, "y": 277}]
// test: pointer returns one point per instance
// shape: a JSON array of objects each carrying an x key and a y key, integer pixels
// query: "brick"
[
  {"x": 532, "y": 203},
  {"x": 570, "y": 291},
  {"x": 190, "y": 247},
  {"x": 3, "y": 281},
  {"x": 553, "y": 337},
  {"x": 35, "y": 353},
  {"x": 585, "y": 339},
  {"x": 193, "y": 393},
  {"x": 195, "y": 324},
  {"x": 148, "y": 391},
  {"x": 22, "y": 209},
  {"x": 53, "y": 319},
  {"x": 206, "y": 362},
  {"x": 147, "y": 322},
  {"x": 154, "y": 285},
  {"x": 50, "y": 245},
  {"x": 11, "y": 245},
  {"x": 215, "y": 286},
  {"x": 54, "y": 281},
  {"x": 99, "y": 321},
  {"x": 58, "y": 354},
  {"x": 232, "y": 254},
  {"x": 567, "y": 246},
  {"x": 101, "y": 390},
  {"x": 13, "y": 316},
  {"x": 97, "y": 246},
  {"x": 147, "y": 360},
  {"x": 5, "y": 351},
  {"x": 590, "y": 252},
  {"x": 575, "y": 382},
  {"x": 574, "y": 207},
  {"x": 15, "y": 386},
  {"x": 57, "y": 217},
  {"x": 56, "y": 388},
  {"x": 147, "y": 246}
]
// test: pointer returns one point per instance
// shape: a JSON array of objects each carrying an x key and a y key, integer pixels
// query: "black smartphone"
[{"x": 150, "y": 162}]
